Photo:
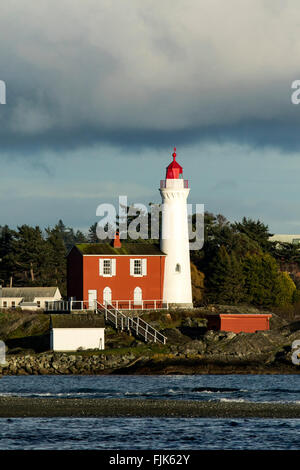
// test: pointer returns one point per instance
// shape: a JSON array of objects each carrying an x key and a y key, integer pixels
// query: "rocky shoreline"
[{"x": 96, "y": 364}]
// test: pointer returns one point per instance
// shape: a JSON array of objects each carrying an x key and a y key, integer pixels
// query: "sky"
[{"x": 99, "y": 92}]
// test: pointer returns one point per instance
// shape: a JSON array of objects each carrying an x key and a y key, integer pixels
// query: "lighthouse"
[{"x": 174, "y": 238}]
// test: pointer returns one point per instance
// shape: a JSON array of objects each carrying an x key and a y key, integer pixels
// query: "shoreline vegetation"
[
  {"x": 191, "y": 347},
  {"x": 13, "y": 407}
]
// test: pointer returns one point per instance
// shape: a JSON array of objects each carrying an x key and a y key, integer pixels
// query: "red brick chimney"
[{"x": 117, "y": 241}]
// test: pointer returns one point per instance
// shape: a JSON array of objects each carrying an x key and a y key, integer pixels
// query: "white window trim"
[
  {"x": 143, "y": 266},
  {"x": 112, "y": 267}
]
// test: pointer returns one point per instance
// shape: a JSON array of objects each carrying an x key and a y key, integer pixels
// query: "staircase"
[{"x": 137, "y": 326}]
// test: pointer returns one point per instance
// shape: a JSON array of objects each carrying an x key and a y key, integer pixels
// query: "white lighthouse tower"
[{"x": 174, "y": 239}]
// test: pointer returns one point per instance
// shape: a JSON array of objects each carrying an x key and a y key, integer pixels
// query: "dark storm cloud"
[
  {"x": 147, "y": 74},
  {"x": 255, "y": 133}
]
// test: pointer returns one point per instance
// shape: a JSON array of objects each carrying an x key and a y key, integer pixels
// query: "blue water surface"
[{"x": 153, "y": 433}]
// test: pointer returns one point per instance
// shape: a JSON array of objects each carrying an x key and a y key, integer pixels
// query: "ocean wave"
[
  {"x": 264, "y": 402},
  {"x": 215, "y": 389},
  {"x": 239, "y": 400}
]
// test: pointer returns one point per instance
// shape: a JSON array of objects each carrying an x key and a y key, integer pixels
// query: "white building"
[
  {"x": 284, "y": 238},
  {"x": 28, "y": 298},
  {"x": 174, "y": 241},
  {"x": 78, "y": 331}
]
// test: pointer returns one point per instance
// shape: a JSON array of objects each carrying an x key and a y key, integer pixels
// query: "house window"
[
  {"x": 4, "y": 304},
  {"x": 107, "y": 267},
  {"x": 138, "y": 267},
  {"x": 13, "y": 304},
  {"x": 38, "y": 303}
]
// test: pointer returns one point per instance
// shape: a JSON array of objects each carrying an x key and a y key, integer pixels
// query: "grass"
[
  {"x": 148, "y": 349},
  {"x": 14, "y": 324}
]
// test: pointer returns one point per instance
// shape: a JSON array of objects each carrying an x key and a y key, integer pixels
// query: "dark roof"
[
  {"x": 140, "y": 248},
  {"x": 28, "y": 294},
  {"x": 77, "y": 320}
]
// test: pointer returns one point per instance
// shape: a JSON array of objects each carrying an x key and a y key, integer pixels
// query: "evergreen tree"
[
  {"x": 56, "y": 269},
  {"x": 197, "y": 278},
  {"x": 80, "y": 237},
  {"x": 28, "y": 256},
  {"x": 225, "y": 278},
  {"x": 67, "y": 234},
  {"x": 92, "y": 234},
  {"x": 6, "y": 255},
  {"x": 265, "y": 285},
  {"x": 286, "y": 290},
  {"x": 256, "y": 231}
]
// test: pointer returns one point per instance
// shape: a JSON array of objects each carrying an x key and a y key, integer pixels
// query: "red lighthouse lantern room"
[{"x": 174, "y": 170}]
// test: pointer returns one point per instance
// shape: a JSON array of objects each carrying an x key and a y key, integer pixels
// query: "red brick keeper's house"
[{"x": 127, "y": 275}]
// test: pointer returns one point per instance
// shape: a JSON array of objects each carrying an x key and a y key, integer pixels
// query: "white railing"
[
  {"x": 68, "y": 306},
  {"x": 57, "y": 306},
  {"x": 174, "y": 183},
  {"x": 137, "y": 325},
  {"x": 151, "y": 304}
]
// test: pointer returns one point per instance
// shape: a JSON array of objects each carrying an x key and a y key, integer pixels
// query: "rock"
[{"x": 230, "y": 335}]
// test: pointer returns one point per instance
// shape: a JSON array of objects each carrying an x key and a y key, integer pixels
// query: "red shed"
[
  {"x": 127, "y": 275},
  {"x": 238, "y": 322}
]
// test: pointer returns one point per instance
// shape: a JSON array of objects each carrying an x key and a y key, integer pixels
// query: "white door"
[
  {"x": 107, "y": 296},
  {"x": 92, "y": 299},
  {"x": 137, "y": 296}
]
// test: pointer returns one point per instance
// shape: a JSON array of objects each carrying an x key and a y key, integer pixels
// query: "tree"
[
  {"x": 287, "y": 253},
  {"x": 265, "y": 285},
  {"x": 197, "y": 285},
  {"x": 28, "y": 255},
  {"x": 80, "y": 237},
  {"x": 55, "y": 265},
  {"x": 6, "y": 255},
  {"x": 287, "y": 292},
  {"x": 256, "y": 231},
  {"x": 92, "y": 234},
  {"x": 67, "y": 234},
  {"x": 225, "y": 278}
]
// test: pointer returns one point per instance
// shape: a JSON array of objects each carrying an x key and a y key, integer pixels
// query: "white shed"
[
  {"x": 70, "y": 332},
  {"x": 28, "y": 298}
]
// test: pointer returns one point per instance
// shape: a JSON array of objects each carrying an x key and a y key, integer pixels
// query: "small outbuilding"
[
  {"x": 239, "y": 322},
  {"x": 71, "y": 332},
  {"x": 28, "y": 298}
]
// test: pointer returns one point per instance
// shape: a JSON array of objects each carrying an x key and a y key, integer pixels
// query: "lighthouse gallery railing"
[{"x": 174, "y": 183}]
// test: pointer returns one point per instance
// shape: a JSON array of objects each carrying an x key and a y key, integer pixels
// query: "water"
[{"x": 153, "y": 433}]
